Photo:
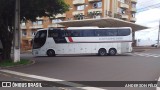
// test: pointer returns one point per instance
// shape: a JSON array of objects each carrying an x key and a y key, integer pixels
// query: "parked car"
[{"x": 154, "y": 45}]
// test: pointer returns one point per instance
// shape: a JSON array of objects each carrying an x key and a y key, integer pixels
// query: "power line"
[
  {"x": 148, "y": 7},
  {"x": 146, "y": 2}
]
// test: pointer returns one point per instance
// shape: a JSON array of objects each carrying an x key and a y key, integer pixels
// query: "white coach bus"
[{"x": 93, "y": 40}]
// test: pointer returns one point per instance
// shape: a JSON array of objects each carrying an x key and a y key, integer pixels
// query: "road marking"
[
  {"x": 145, "y": 54},
  {"x": 5, "y": 75},
  {"x": 49, "y": 79},
  {"x": 25, "y": 79},
  {"x": 63, "y": 88}
]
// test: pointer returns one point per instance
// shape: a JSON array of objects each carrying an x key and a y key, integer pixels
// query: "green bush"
[{"x": 7, "y": 63}]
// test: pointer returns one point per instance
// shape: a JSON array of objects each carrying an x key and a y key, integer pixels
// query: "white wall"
[{"x": 145, "y": 42}]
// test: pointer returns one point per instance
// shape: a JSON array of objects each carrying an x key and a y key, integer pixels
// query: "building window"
[
  {"x": 127, "y": 1},
  {"x": 122, "y": 1},
  {"x": 23, "y": 24},
  {"x": 39, "y": 22},
  {"x": 97, "y": 16},
  {"x": 56, "y": 20},
  {"x": 133, "y": 5},
  {"x": 81, "y": 7},
  {"x": 133, "y": 15},
  {"x": 24, "y": 33},
  {"x": 34, "y": 23},
  {"x": 122, "y": 11},
  {"x": 80, "y": 18},
  {"x": 32, "y": 33},
  {"x": 97, "y": 5}
]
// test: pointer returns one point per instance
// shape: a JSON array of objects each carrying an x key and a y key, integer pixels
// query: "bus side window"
[
  {"x": 101, "y": 32},
  {"x": 37, "y": 35},
  {"x": 75, "y": 33},
  {"x": 43, "y": 35},
  {"x": 112, "y": 32},
  {"x": 53, "y": 33},
  {"x": 67, "y": 33},
  {"x": 124, "y": 32},
  {"x": 88, "y": 33}
]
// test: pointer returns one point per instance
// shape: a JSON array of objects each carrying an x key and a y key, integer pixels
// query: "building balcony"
[
  {"x": 133, "y": 9},
  {"x": 27, "y": 37},
  {"x": 133, "y": 19},
  {"x": 78, "y": 2},
  {"x": 93, "y": 0},
  {"x": 124, "y": 16},
  {"x": 78, "y": 12},
  {"x": 37, "y": 26},
  {"x": 23, "y": 27},
  {"x": 123, "y": 5},
  {"x": 95, "y": 10},
  {"x": 55, "y": 25},
  {"x": 39, "y": 18},
  {"x": 60, "y": 16},
  {"x": 134, "y": 1}
]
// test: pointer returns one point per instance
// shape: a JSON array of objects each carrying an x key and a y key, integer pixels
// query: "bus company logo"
[{"x": 6, "y": 84}]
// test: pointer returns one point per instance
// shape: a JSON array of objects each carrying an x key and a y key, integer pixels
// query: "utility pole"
[
  {"x": 17, "y": 41},
  {"x": 158, "y": 35}
]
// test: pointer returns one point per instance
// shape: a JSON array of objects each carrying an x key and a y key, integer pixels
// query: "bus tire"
[
  {"x": 102, "y": 52},
  {"x": 50, "y": 53},
  {"x": 112, "y": 52}
]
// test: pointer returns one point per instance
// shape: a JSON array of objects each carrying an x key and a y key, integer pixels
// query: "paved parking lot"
[{"x": 138, "y": 66}]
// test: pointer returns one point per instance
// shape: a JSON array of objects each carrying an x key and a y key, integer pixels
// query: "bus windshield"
[{"x": 39, "y": 39}]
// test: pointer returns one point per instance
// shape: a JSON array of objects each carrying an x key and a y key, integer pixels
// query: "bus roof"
[
  {"x": 82, "y": 27},
  {"x": 99, "y": 28}
]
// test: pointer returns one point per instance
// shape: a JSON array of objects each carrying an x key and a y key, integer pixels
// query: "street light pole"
[
  {"x": 16, "y": 43},
  {"x": 158, "y": 35}
]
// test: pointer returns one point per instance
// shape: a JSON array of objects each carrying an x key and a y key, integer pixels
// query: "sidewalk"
[{"x": 143, "y": 48}]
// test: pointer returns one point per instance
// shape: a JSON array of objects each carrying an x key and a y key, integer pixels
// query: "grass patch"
[{"x": 8, "y": 63}]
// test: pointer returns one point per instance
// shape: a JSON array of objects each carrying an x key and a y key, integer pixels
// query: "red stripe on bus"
[{"x": 69, "y": 38}]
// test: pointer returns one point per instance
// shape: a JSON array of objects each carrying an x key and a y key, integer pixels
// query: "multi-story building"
[
  {"x": 85, "y": 9},
  {"x": 79, "y": 10}
]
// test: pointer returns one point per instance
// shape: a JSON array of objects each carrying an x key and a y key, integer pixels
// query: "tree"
[{"x": 29, "y": 10}]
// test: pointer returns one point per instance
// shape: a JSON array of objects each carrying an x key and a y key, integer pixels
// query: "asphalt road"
[{"x": 138, "y": 66}]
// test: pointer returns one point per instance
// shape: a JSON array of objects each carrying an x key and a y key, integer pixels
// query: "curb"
[
  {"x": 25, "y": 52},
  {"x": 141, "y": 50},
  {"x": 17, "y": 66}
]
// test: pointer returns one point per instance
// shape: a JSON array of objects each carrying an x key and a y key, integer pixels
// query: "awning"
[{"x": 102, "y": 22}]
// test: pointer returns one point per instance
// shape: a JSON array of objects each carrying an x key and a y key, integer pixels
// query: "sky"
[{"x": 148, "y": 14}]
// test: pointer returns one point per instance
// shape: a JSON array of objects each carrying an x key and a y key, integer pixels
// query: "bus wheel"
[
  {"x": 112, "y": 51},
  {"x": 102, "y": 52},
  {"x": 51, "y": 53}
]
